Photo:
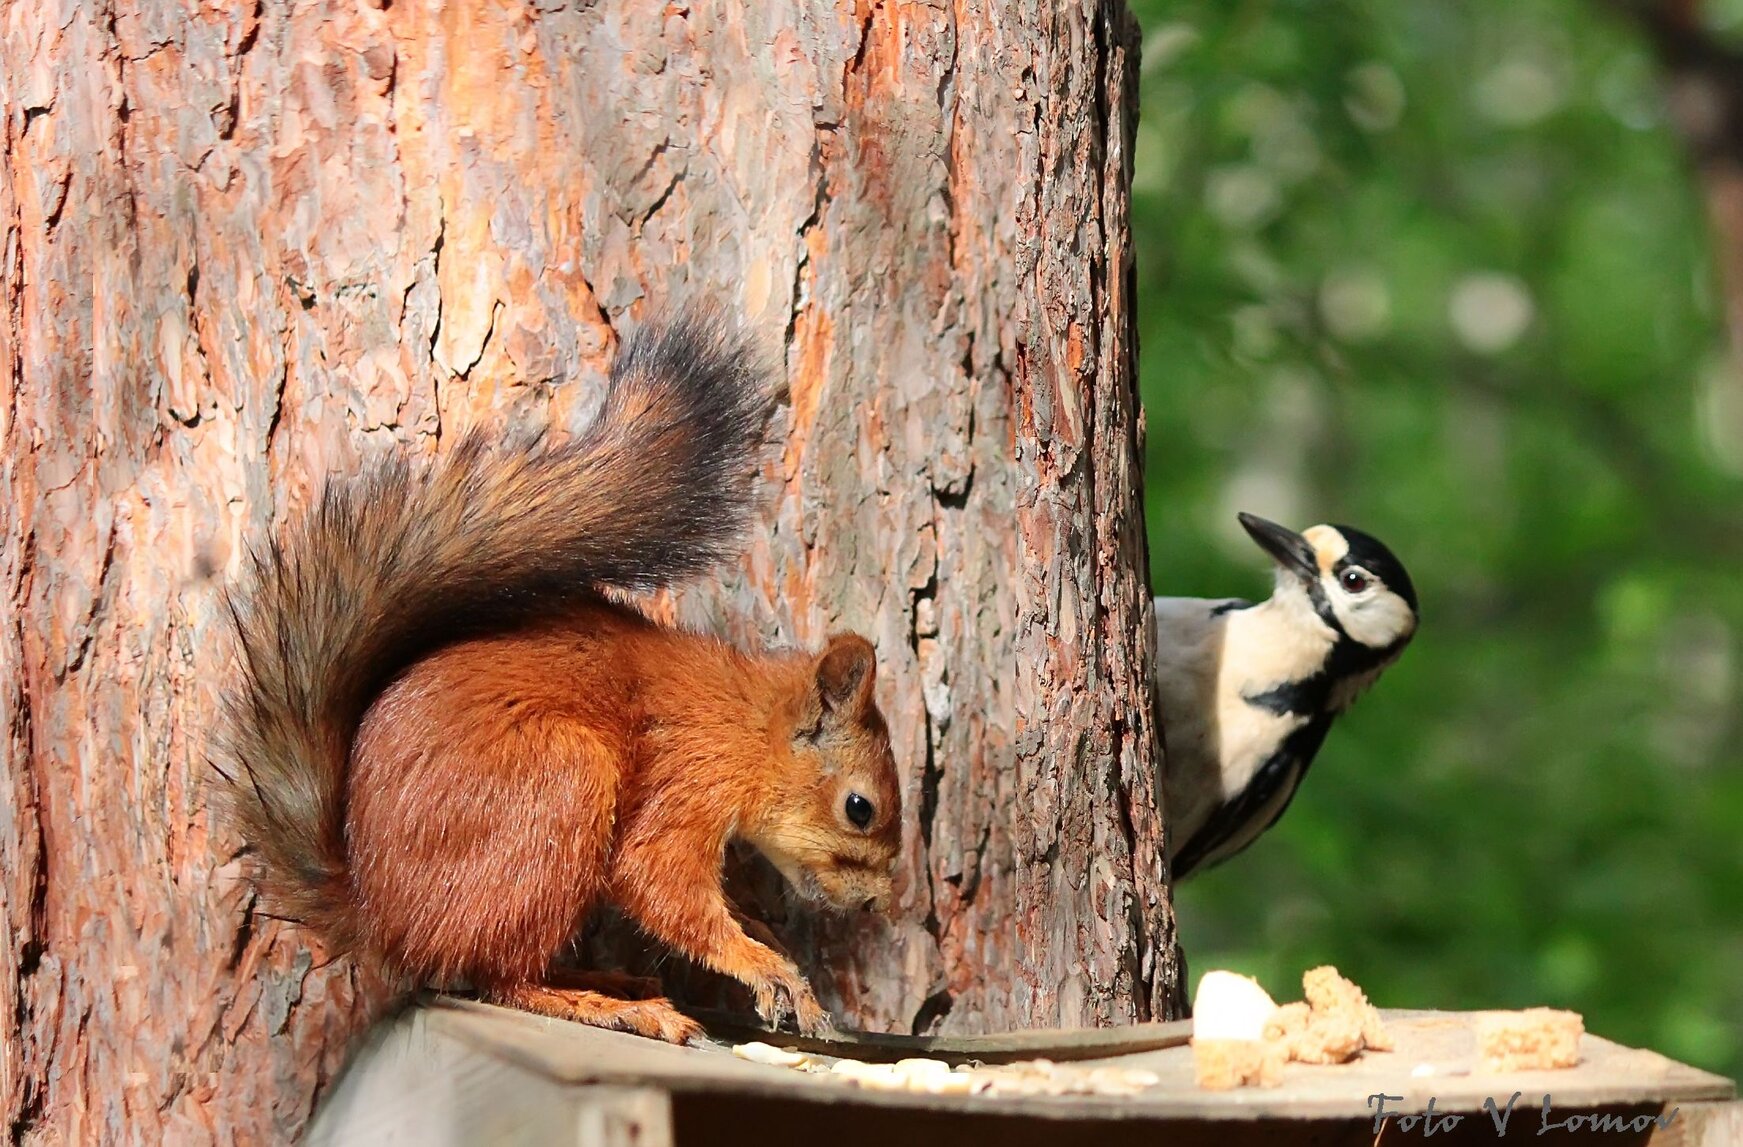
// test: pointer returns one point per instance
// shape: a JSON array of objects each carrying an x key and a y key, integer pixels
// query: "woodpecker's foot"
[{"x": 655, "y": 1018}]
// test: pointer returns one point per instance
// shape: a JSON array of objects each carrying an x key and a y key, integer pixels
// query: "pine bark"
[{"x": 244, "y": 245}]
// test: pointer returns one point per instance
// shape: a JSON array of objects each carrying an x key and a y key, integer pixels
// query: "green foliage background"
[{"x": 1442, "y": 271}]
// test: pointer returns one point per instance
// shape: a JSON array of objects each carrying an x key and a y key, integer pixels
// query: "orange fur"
[
  {"x": 444, "y": 747},
  {"x": 503, "y": 786}
]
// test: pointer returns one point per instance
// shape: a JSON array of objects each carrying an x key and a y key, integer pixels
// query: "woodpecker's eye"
[
  {"x": 859, "y": 810},
  {"x": 1354, "y": 580}
]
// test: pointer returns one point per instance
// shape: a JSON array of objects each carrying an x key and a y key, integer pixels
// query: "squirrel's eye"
[
  {"x": 859, "y": 810},
  {"x": 1353, "y": 581}
]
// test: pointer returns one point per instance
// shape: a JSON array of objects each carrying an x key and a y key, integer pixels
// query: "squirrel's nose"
[{"x": 870, "y": 905}]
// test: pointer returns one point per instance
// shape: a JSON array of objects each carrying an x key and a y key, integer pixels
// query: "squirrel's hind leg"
[
  {"x": 655, "y": 1018},
  {"x": 620, "y": 984}
]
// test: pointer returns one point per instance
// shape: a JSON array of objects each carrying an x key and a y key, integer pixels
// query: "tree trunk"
[
  {"x": 1704, "y": 91},
  {"x": 244, "y": 244},
  {"x": 1703, "y": 82}
]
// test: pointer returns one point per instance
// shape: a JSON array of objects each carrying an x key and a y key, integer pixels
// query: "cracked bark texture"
[{"x": 245, "y": 244}]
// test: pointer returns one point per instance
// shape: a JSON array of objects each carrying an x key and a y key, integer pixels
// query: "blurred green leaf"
[{"x": 1442, "y": 271}]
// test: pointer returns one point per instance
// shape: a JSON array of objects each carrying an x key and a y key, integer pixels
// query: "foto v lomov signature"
[{"x": 1431, "y": 1122}]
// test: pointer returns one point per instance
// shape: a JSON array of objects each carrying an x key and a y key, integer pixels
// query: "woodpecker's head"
[{"x": 1353, "y": 583}]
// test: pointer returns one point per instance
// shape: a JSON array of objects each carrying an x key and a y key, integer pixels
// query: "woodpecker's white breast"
[{"x": 1210, "y": 658}]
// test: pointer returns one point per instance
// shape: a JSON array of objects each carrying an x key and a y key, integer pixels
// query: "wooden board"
[
  {"x": 1003, "y": 1047},
  {"x": 1442, "y": 1044}
]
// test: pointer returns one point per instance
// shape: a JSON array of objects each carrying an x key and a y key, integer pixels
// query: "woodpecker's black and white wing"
[{"x": 1239, "y": 821}]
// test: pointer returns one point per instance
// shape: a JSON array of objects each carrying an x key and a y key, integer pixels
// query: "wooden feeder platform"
[{"x": 453, "y": 1071}]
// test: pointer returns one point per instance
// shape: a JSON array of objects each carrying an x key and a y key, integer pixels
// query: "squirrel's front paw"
[{"x": 787, "y": 994}]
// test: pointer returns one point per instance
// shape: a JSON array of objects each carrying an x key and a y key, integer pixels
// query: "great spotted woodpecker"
[{"x": 1247, "y": 692}]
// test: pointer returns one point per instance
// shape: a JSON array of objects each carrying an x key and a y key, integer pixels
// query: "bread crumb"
[
  {"x": 1120, "y": 1080},
  {"x": 1044, "y": 1077},
  {"x": 1312, "y": 1035},
  {"x": 1230, "y": 1013},
  {"x": 1229, "y": 1006},
  {"x": 1346, "y": 1006},
  {"x": 1333, "y": 1025},
  {"x": 759, "y": 1052},
  {"x": 1028, "y": 1077},
  {"x": 1224, "y": 1064},
  {"x": 1531, "y": 1040},
  {"x": 871, "y": 1076},
  {"x": 1287, "y": 1022}
]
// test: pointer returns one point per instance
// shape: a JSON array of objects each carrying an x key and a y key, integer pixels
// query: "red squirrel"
[{"x": 445, "y": 746}]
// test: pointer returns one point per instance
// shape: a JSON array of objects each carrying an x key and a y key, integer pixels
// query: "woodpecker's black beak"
[{"x": 1290, "y": 549}]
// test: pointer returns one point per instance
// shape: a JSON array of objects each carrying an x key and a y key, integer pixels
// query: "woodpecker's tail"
[{"x": 404, "y": 557}]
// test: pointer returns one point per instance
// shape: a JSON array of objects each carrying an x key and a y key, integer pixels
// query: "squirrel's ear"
[{"x": 845, "y": 673}]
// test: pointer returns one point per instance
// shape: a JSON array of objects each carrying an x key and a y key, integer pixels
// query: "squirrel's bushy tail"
[{"x": 408, "y": 556}]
